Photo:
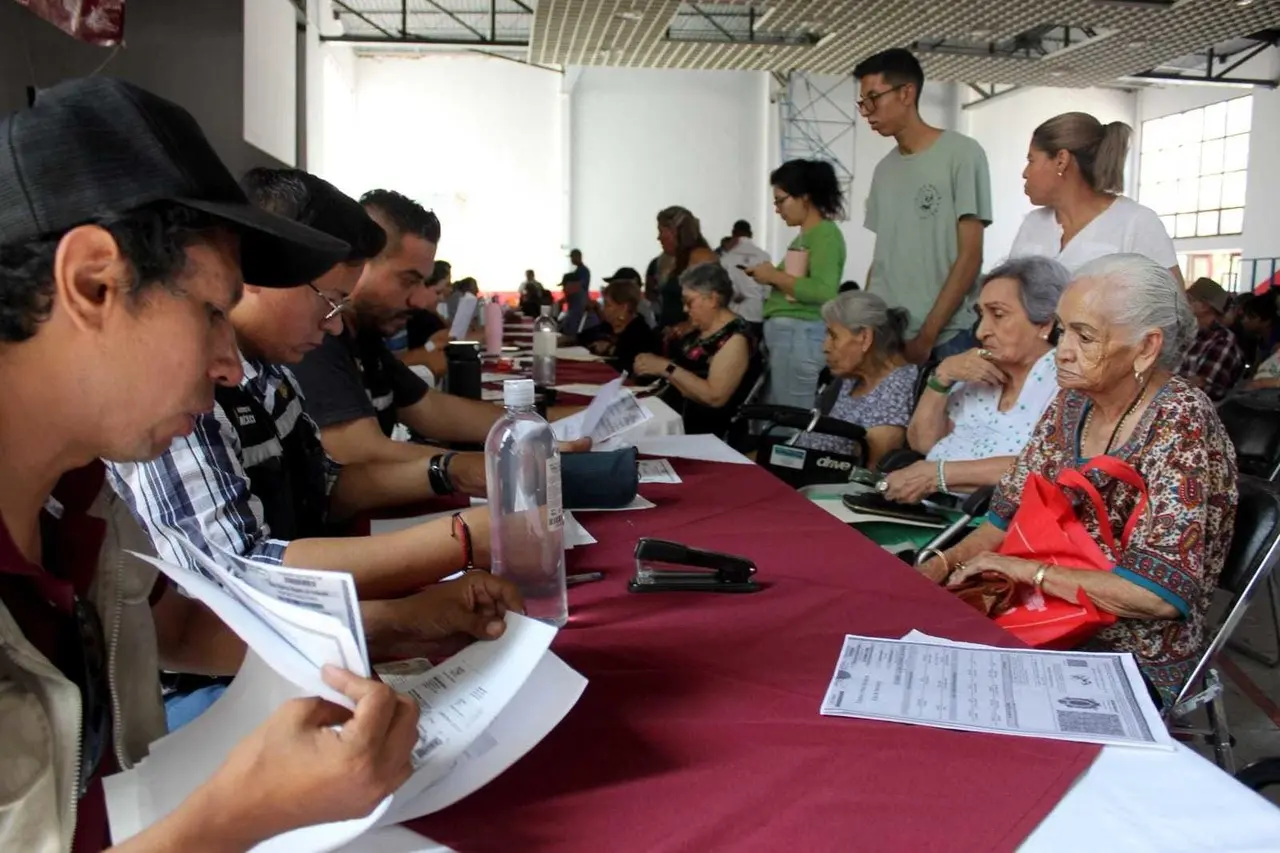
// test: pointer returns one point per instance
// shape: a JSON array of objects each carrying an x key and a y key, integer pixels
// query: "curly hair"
[{"x": 153, "y": 239}]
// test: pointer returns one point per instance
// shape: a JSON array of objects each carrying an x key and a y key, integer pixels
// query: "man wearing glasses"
[
  {"x": 929, "y": 202},
  {"x": 124, "y": 243}
]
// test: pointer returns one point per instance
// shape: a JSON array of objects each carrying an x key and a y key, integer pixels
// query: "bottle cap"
[{"x": 517, "y": 393}]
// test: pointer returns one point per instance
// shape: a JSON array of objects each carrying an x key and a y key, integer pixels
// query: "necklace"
[{"x": 1088, "y": 419}]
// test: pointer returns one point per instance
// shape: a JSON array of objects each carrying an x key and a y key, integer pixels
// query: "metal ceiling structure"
[{"x": 997, "y": 43}]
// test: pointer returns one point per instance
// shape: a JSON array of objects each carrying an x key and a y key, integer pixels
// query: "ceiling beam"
[
  {"x": 359, "y": 15},
  {"x": 988, "y": 98},
  {"x": 1219, "y": 80},
  {"x": 415, "y": 39},
  {"x": 458, "y": 21}
]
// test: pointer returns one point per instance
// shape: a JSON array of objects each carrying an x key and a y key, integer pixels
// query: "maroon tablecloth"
[
  {"x": 594, "y": 372},
  {"x": 699, "y": 729}
]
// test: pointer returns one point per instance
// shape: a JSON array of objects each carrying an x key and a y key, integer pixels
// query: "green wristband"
[{"x": 937, "y": 385}]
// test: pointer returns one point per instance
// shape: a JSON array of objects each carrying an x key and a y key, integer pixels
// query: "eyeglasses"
[
  {"x": 867, "y": 105},
  {"x": 780, "y": 200},
  {"x": 335, "y": 308}
]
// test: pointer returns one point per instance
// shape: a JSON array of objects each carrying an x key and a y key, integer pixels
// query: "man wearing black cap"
[{"x": 122, "y": 245}]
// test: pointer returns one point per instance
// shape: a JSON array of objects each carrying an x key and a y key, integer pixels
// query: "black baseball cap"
[
  {"x": 98, "y": 145},
  {"x": 625, "y": 274}
]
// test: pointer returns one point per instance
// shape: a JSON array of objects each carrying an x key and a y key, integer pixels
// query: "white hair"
[{"x": 1141, "y": 296}]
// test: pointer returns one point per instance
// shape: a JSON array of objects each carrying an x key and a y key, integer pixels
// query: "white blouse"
[
  {"x": 981, "y": 430},
  {"x": 1125, "y": 226}
]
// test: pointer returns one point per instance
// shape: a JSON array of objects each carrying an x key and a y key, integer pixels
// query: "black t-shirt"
[
  {"x": 351, "y": 377},
  {"x": 422, "y": 325}
]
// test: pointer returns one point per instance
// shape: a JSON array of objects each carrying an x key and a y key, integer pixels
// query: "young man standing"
[
  {"x": 930, "y": 200},
  {"x": 577, "y": 289},
  {"x": 115, "y": 287}
]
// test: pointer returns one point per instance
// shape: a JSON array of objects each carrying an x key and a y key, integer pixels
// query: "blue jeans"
[
  {"x": 960, "y": 342},
  {"x": 180, "y": 710},
  {"x": 795, "y": 360}
]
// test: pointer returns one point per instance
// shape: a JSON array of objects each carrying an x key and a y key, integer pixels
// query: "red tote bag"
[{"x": 1045, "y": 529}]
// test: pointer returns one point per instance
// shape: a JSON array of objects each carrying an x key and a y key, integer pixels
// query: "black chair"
[
  {"x": 1255, "y": 548},
  {"x": 1252, "y": 420}
]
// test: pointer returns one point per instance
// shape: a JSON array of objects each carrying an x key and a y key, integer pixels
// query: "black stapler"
[{"x": 663, "y": 566}]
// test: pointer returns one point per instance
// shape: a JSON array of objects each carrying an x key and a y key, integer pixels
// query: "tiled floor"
[{"x": 1256, "y": 729}]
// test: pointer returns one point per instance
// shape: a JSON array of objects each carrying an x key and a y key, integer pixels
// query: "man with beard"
[{"x": 356, "y": 389}]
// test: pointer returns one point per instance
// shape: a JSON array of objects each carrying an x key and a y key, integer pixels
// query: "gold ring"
[
  {"x": 882, "y": 486},
  {"x": 984, "y": 354}
]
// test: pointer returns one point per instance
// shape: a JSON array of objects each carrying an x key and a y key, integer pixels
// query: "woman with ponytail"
[
  {"x": 1075, "y": 173},
  {"x": 806, "y": 195}
]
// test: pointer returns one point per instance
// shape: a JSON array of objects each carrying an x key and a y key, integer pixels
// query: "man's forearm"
[
  {"x": 205, "y": 821},
  {"x": 445, "y": 417},
  {"x": 390, "y": 564},
  {"x": 964, "y": 272}
]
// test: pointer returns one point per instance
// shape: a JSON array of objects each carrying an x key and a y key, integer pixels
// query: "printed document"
[
  {"x": 1077, "y": 696},
  {"x": 657, "y": 471},
  {"x": 612, "y": 411}
]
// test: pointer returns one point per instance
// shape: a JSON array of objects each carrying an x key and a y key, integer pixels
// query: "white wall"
[
  {"x": 271, "y": 77},
  {"x": 1261, "y": 234},
  {"x": 1004, "y": 127},
  {"x": 645, "y": 139},
  {"x": 474, "y": 138}
]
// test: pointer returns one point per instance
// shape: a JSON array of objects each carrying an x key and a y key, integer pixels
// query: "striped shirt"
[{"x": 199, "y": 487}]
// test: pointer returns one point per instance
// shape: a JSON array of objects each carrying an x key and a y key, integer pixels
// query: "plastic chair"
[{"x": 1254, "y": 551}]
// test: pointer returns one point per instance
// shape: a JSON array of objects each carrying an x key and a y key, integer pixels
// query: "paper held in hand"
[
  {"x": 480, "y": 710},
  {"x": 925, "y": 681},
  {"x": 612, "y": 411}
]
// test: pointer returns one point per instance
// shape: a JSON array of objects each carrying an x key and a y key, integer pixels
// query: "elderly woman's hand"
[
  {"x": 647, "y": 364},
  {"x": 970, "y": 366},
  {"x": 912, "y": 484},
  {"x": 1021, "y": 571}
]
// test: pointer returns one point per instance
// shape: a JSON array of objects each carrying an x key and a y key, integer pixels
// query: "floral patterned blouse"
[{"x": 1179, "y": 546}]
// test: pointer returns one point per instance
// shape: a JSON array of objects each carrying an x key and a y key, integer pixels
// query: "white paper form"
[
  {"x": 182, "y": 761},
  {"x": 331, "y": 593},
  {"x": 575, "y": 534},
  {"x": 1076, "y": 696},
  {"x": 612, "y": 411},
  {"x": 552, "y": 689},
  {"x": 582, "y": 389},
  {"x": 657, "y": 471},
  {"x": 293, "y": 641},
  {"x": 460, "y": 701},
  {"x": 461, "y": 697},
  {"x": 638, "y": 502}
]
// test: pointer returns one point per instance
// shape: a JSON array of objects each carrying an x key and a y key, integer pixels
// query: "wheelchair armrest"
[
  {"x": 896, "y": 460},
  {"x": 977, "y": 504},
  {"x": 781, "y": 415}
]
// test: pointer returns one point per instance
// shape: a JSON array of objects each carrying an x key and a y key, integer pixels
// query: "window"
[{"x": 1193, "y": 166}]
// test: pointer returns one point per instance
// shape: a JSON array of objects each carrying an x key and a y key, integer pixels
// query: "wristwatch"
[
  {"x": 438, "y": 474},
  {"x": 670, "y": 369}
]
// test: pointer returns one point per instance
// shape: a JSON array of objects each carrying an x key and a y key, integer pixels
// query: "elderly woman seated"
[
  {"x": 709, "y": 364},
  {"x": 1125, "y": 325},
  {"x": 863, "y": 348},
  {"x": 624, "y": 334},
  {"x": 980, "y": 406}
]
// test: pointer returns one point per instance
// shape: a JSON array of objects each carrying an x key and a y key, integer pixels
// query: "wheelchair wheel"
[{"x": 1261, "y": 775}]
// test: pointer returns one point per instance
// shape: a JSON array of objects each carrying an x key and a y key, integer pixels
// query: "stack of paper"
[
  {"x": 479, "y": 711},
  {"x": 926, "y": 681}
]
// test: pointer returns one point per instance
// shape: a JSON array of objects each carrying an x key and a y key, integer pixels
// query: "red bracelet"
[{"x": 462, "y": 533}]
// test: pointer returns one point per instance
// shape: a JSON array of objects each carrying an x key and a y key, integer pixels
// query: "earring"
[
  {"x": 1137, "y": 376},
  {"x": 1061, "y": 174}
]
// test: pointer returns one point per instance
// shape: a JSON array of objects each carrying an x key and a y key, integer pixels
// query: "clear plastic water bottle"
[
  {"x": 522, "y": 462},
  {"x": 545, "y": 337}
]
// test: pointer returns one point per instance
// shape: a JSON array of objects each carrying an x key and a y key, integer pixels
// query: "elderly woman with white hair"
[
  {"x": 1126, "y": 323},
  {"x": 980, "y": 406},
  {"x": 863, "y": 348}
]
